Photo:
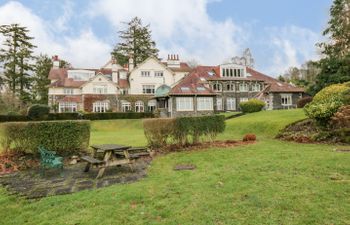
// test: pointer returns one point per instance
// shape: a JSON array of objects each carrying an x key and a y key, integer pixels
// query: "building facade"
[{"x": 170, "y": 88}]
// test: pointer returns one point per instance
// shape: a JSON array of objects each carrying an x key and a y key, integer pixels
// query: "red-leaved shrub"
[{"x": 249, "y": 137}]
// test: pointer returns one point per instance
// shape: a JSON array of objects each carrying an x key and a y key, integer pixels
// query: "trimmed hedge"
[
  {"x": 13, "y": 118},
  {"x": 117, "y": 115},
  {"x": 253, "y": 105},
  {"x": 182, "y": 130},
  {"x": 79, "y": 116},
  {"x": 65, "y": 137}
]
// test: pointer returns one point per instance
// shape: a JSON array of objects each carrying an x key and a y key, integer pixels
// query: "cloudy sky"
[{"x": 280, "y": 33}]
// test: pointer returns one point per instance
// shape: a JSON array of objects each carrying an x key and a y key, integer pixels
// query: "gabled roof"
[
  {"x": 150, "y": 58},
  {"x": 192, "y": 83}
]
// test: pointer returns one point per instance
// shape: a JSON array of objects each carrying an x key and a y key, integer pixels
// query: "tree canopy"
[{"x": 135, "y": 42}]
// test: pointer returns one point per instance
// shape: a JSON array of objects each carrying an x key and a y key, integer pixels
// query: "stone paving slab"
[{"x": 31, "y": 184}]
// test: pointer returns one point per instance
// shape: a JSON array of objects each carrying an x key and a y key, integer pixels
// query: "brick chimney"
[
  {"x": 173, "y": 61},
  {"x": 55, "y": 62}
]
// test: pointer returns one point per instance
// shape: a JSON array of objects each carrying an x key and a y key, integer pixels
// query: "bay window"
[
  {"x": 204, "y": 103},
  {"x": 100, "y": 106},
  {"x": 184, "y": 104},
  {"x": 139, "y": 106},
  {"x": 148, "y": 89},
  {"x": 67, "y": 107},
  {"x": 286, "y": 99},
  {"x": 231, "y": 103},
  {"x": 126, "y": 106}
]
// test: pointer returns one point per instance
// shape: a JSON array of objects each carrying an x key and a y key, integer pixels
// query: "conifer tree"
[
  {"x": 40, "y": 79},
  {"x": 16, "y": 56},
  {"x": 136, "y": 42}
]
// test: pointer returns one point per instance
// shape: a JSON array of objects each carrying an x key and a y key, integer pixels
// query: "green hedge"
[
  {"x": 182, "y": 130},
  {"x": 65, "y": 137},
  {"x": 253, "y": 105},
  {"x": 79, "y": 116},
  {"x": 117, "y": 115},
  {"x": 13, "y": 118}
]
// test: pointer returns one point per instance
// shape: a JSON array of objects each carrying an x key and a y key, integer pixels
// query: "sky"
[{"x": 279, "y": 33}]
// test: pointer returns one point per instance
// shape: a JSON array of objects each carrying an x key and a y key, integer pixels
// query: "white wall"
[
  {"x": 152, "y": 65},
  {"x": 60, "y": 91},
  {"x": 88, "y": 88},
  {"x": 179, "y": 75}
]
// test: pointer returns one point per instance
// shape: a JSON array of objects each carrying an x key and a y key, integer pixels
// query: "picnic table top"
[{"x": 110, "y": 147}]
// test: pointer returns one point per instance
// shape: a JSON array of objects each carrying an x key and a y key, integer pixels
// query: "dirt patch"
[
  {"x": 185, "y": 167},
  {"x": 12, "y": 161},
  {"x": 204, "y": 145}
]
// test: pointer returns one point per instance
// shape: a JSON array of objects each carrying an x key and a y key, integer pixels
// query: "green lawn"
[{"x": 270, "y": 182}]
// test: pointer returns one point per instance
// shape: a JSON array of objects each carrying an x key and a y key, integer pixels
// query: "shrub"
[
  {"x": 327, "y": 102},
  {"x": 341, "y": 118},
  {"x": 303, "y": 101},
  {"x": 249, "y": 137},
  {"x": 158, "y": 131},
  {"x": 117, "y": 115},
  {"x": 38, "y": 112},
  {"x": 182, "y": 130},
  {"x": 253, "y": 105},
  {"x": 64, "y": 137}
]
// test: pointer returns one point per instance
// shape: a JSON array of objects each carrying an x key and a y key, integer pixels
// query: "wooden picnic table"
[{"x": 110, "y": 152}]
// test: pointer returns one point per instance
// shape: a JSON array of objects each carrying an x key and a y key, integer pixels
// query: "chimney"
[
  {"x": 55, "y": 62},
  {"x": 173, "y": 61},
  {"x": 131, "y": 63}
]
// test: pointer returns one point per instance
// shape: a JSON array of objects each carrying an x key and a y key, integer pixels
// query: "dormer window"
[{"x": 232, "y": 72}]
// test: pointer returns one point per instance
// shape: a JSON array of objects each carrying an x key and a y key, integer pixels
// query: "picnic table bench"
[{"x": 113, "y": 155}]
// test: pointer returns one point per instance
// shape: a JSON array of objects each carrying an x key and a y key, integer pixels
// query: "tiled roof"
[
  {"x": 213, "y": 73},
  {"x": 193, "y": 84},
  {"x": 57, "y": 74},
  {"x": 274, "y": 85}
]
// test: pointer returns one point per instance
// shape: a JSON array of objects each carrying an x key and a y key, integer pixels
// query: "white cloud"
[
  {"x": 290, "y": 46},
  {"x": 178, "y": 26},
  {"x": 85, "y": 50}
]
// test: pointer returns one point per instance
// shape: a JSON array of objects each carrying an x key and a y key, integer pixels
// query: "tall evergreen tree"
[
  {"x": 40, "y": 79},
  {"x": 334, "y": 67},
  {"x": 17, "y": 55},
  {"x": 136, "y": 42}
]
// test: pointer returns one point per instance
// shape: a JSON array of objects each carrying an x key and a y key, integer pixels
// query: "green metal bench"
[{"x": 49, "y": 159}]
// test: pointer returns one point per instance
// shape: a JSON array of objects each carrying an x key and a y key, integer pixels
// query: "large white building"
[{"x": 113, "y": 87}]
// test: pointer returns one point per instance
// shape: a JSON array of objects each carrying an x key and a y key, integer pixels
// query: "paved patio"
[{"x": 31, "y": 184}]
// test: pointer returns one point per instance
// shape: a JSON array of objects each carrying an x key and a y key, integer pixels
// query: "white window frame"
[
  {"x": 231, "y": 103},
  {"x": 67, "y": 107},
  {"x": 145, "y": 73},
  {"x": 100, "y": 106},
  {"x": 233, "y": 85},
  {"x": 219, "y": 104},
  {"x": 100, "y": 89},
  {"x": 217, "y": 87},
  {"x": 151, "y": 105},
  {"x": 184, "y": 104},
  {"x": 139, "y": 106},
  {"x": 148, "y": 89},
  {"x": 256, "y": 87},
  {"x": 205, "y": 104},
  {"x": 286, "y": 99},
  {"x": 68, "y": 91},
  {"x": 158, "y": 73},
  {"x": 243, "y": 87},
  {"x": 126, "y": 106}
]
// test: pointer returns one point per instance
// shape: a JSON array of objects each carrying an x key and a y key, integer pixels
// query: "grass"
[{"x": 270, "y": 182}]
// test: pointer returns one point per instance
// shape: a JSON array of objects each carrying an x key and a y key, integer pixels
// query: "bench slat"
[{"x": 92, "y": 160}]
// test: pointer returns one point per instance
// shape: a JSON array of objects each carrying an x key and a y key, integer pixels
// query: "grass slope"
[{"x": 271, "y": 182}]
